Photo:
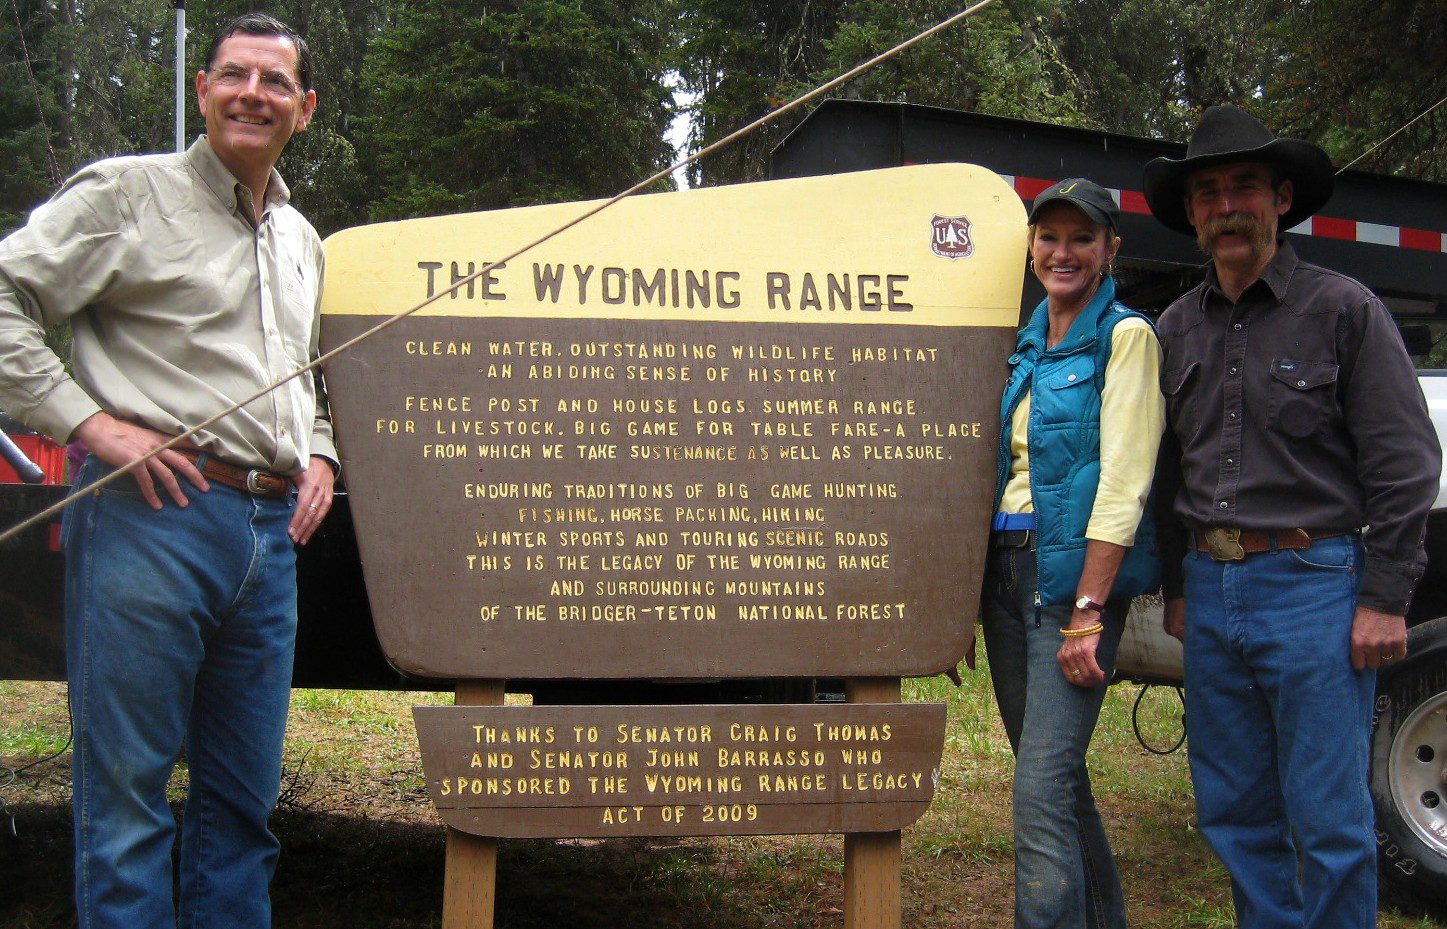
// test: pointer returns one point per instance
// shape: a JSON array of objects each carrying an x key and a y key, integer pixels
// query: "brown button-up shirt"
[
  {"x": 1297, "y": 407},
  {"x": 180, "y": 305}
]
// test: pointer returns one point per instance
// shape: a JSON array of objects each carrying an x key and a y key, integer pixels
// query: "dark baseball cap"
[{"x": 1092, "y": 200}]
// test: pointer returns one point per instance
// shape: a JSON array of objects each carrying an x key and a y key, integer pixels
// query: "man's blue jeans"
[
  {"x": 180, "y": 627},
  {"x": 1279, "y": 722},
  {"x": 1065, "y": 874}
]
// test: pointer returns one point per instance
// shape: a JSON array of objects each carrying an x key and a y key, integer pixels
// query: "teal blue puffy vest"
[{"x": 1064, "y": 384}]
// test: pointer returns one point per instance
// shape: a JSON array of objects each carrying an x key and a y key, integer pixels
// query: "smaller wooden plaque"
[{"x": 599, "y": 771}]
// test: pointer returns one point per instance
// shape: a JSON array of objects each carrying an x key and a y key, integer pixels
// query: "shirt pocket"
[
  {"x": 299, "y": 289},
  {"x": 1302, "y": 397},
  {"x": 1180, "y": 410},
  {"x": 1060, "y": 379}
]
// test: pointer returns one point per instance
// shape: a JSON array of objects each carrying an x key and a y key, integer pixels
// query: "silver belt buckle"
[
  {"x": 1225, "y": 544},
  {"x": 253, "y": 482}
]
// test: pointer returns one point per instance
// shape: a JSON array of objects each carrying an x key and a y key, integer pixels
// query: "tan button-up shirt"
[{"x": 179, "y": 305}]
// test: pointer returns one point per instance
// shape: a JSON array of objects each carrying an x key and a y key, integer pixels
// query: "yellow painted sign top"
[{"x": 927, "y": 245}]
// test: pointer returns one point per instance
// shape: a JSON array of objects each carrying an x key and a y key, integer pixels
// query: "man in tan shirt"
[{"x": 190, "y": 284}]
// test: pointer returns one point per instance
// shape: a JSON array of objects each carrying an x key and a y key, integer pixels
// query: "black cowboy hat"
[{"x": 1225, "y": 135}]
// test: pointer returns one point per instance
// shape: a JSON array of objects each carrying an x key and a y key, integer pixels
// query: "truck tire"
[{"x": 1409, "y": 769}]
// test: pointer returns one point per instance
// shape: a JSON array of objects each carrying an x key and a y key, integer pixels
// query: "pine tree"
[{"x": 484, "y": 104}]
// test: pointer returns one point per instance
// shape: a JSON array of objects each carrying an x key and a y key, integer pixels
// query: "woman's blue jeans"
[
  {"x": 1065, "y": 874},
  {"x": 1279, "y": 722},
  {"x": 180, "y": 628}
]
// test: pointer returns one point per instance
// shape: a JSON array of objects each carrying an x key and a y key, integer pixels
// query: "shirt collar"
[
  {"x": 232, "y": 193},
  {"x": 1276, "y": 275}
]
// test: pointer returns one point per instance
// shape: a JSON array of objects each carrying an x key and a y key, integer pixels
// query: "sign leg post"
[
  {"x": 872, "y": 860},
  {"x": 469, "y": 882}
]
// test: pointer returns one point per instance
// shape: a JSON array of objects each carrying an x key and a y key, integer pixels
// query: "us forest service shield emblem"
[{"x": 950, "y": 237}]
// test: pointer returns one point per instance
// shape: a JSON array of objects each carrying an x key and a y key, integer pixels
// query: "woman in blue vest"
[{"x": 1081, "y": 420}]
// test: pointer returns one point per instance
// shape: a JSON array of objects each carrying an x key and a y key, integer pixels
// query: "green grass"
[
  {"x": 29, "y": 728},
  {"x": 363, "y": 848},
  {"x": 30, "y": 741}
]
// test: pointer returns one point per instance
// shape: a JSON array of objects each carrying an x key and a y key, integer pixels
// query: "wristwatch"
[{"x": 1085, "y": 603}]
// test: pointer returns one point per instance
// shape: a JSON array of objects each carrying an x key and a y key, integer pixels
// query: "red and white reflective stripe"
[
  {"x": 1351, "y": 230},
  {"x": 1326, "y": 227}
]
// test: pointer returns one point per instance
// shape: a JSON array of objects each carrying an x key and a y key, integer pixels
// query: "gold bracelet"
[{"x": 1082, "y": 633}]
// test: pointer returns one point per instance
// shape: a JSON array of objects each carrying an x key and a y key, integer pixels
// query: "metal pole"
[{"x": 180, "y": 6}]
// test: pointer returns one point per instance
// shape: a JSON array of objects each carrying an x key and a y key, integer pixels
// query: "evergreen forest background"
[{"x": 437, "y": 106}]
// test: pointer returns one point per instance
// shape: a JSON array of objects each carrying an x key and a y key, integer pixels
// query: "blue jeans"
[
  {"x": 1065, "y": 874},
  {"x": 1279, "y": 722},
  {"x": 180, "y": 627}
]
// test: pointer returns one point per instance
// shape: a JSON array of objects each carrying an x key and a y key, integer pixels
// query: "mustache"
[
  {"x": 1257, "y": 233},
  {"x": 1241, "y": 224}
]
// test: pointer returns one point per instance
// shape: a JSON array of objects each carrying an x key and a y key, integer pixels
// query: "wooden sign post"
[
  {"x": 469, "y": 884},
  {"x": 872, "y": 860},
  {"x": 740, "y": 432}
]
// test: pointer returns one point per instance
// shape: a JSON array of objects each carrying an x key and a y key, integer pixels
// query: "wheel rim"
[{"x": 1418, "y": 772}]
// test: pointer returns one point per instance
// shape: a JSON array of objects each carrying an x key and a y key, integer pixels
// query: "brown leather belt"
[
  {"x": 1236, "y": 544},
  {"x": 254, "y": 481}
]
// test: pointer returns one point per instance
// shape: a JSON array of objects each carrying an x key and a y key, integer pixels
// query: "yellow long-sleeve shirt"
[{"x": 1132, "y": 418}]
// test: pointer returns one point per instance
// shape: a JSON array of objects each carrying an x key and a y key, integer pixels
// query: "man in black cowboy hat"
[{"x": 1295, "y": 421}]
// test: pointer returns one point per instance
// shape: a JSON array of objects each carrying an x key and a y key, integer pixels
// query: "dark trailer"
[
  {"x": 1389, "y": 233},
  {"x": 1384, "y": 231}
]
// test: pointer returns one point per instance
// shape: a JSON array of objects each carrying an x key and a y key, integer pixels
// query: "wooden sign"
[
  {"x": 555, "y": 772},
  {"x": 737, "y": 432}
]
